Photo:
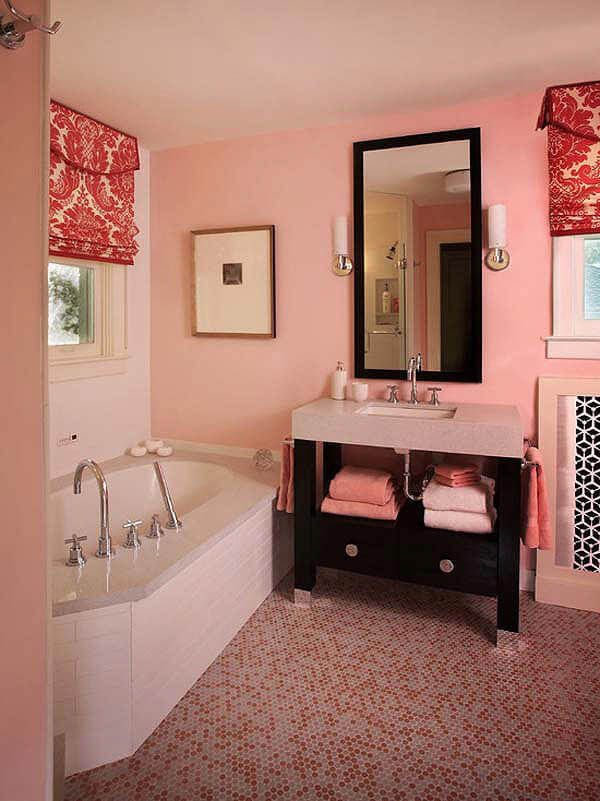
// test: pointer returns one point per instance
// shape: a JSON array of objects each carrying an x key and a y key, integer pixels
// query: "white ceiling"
[
  {"x": 178, "y": 72},
  {"x": 417, "y": 171}
]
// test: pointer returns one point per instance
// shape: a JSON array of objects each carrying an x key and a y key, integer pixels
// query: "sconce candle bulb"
[
  {"x": 497, "y": 257},
  {"x": 342, "y": 263}
]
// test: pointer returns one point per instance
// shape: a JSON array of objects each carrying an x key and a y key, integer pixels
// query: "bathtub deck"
[{"x": 133, "y": 575}]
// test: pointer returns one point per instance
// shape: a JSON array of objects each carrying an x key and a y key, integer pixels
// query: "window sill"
[
  {"x": 76, "y": 369},
  {"x": 573, "y": 347}
]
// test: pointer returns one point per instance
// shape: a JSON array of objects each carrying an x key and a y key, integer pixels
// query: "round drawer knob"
[
  {"x": 446, "y": 566},
  {"x": 351, "y": 549}
]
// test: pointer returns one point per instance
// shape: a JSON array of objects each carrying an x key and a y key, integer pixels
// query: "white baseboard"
[
  {"x": 573, "y": 592},
  {"x": 527, "y": 580}
]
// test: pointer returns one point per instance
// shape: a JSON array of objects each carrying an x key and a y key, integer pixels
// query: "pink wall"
[
  {"x": 431, "y": 218},
  {"x": 23, "y": 561},
  {"x": 241, "y": 392}
]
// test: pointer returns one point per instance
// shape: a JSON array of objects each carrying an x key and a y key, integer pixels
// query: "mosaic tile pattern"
[
  {"x": 586, "y": 555},
  {"x": 382, "y": 691}
]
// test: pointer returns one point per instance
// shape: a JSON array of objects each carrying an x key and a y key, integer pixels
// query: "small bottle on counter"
[{"x": 339, "y": 379}]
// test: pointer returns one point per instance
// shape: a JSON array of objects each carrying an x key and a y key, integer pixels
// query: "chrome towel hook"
[{"x": 12, "y": 31}]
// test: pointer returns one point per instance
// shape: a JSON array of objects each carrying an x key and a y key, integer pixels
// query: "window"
[
  {"x": 71, "y": 310},
  {"x": 591, "y": 281},
  {"x": 86, "y": 319},
  {"x": 576, "y": 294}
]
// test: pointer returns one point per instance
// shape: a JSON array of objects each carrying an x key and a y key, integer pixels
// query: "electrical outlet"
[{"x": 68, "y": 439}]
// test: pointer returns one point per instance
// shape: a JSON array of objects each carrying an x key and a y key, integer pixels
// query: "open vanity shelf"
[{"x": 404, "y": 549}]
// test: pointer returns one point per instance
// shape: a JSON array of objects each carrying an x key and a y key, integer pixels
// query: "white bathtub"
[
  {"x": 132, "y": 634},
  {"x": 133, "y": 494}
]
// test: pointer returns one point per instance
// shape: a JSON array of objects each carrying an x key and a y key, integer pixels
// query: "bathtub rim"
[{"x": 261, "y": 485}]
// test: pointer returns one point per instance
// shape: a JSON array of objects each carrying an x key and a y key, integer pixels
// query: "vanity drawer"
[
  {"x": 455, "y": 561},
  {"x": 345, "y": 545}
]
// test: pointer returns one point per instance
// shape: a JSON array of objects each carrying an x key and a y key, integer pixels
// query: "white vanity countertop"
[{"x": 484, "y": 429}]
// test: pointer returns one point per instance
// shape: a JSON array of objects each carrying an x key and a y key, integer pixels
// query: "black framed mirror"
[{"x": 418, "y": 260}]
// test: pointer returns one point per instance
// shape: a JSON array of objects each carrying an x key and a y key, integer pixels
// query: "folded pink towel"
[
  {"x": 285, "y": 495},
  {"x": 362, "y": 484},
  {"x": 454, "y": 471},
  {"x": 374, "y": 511},
  {"x": 535, "y": 531},
  {"x": 466, "y": 481},
  {"x": 469, "y": 522},
  {"x": 477, "y": 498}
]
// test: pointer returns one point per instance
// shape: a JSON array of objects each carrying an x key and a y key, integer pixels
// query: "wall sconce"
[
  {"x": 342, "y": 263},
  {"x": 497, "y": 257}
]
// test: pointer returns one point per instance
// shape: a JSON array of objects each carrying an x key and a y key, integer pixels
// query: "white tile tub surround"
[
  {"x": 92, "y": 685},
  {"x": 120, "y": 668}
]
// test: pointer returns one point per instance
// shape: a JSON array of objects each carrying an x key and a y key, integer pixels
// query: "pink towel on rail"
[
  {"x": 374, "y": 511},
  {"x": 285, "y": 495},
  {"x": 534, "y": 504},
  {"x": 362, "y": 484}
]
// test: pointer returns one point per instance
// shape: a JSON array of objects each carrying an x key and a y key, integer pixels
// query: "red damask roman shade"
[
  {"x": 572, "y": 114},
  {"x": 91, "y": 188}
]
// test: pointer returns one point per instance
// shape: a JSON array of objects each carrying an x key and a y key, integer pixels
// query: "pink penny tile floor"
[{"x": 380, "y": 691}]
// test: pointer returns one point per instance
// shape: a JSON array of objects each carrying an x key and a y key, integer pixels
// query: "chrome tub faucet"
[
  {"x": 173, "y": 522},
  {"x": 415, "y": 364},
  {"x": 105, "y": 549}
]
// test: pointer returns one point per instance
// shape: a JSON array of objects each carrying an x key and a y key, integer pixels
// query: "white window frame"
[
  {"x": 107, "y": 354},
  {"x": 573, "y": 337}
]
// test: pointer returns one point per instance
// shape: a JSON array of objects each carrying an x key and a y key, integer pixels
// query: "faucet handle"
[
  {"x": 76, "y": 557},
  {"x": 393, "y": 393},
  {"x": 132, "y": 538},
  {"x": 434, "y": 400},
  {"x": 75, "y": 540},
  {"x": 156, "y": 530}
]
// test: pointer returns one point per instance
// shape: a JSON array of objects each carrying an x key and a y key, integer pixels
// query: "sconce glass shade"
[
  {"x": 497, "y": 257},
  {"x": 340, "y": 235},
  {"x": 497, "y": 226}
]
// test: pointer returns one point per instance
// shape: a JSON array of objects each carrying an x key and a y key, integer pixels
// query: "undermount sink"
[{"x": 406, "y": 410}]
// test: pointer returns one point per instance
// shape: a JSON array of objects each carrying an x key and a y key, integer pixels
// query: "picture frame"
[{"x": 233, "y": 282}]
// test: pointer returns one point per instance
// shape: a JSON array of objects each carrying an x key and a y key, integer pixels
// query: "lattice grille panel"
[{"x": 587, "y": 484}]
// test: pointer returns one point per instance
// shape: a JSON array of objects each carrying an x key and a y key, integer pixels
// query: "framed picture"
[{"x": 234, "y": 282}]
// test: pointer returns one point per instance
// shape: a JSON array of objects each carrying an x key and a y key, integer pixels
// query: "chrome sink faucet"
[
  {"x": 105, "y": 549},
  {"x": 415, "y": 363}
]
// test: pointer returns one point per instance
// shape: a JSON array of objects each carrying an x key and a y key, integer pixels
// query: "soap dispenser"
[{"x": 339, "y": 378}]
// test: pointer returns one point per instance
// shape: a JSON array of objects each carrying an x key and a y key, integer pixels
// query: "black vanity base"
[{"x": 404, "y": 549}]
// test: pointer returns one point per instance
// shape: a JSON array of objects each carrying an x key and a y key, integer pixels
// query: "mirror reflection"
[{"x": 418, "y": 291}]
